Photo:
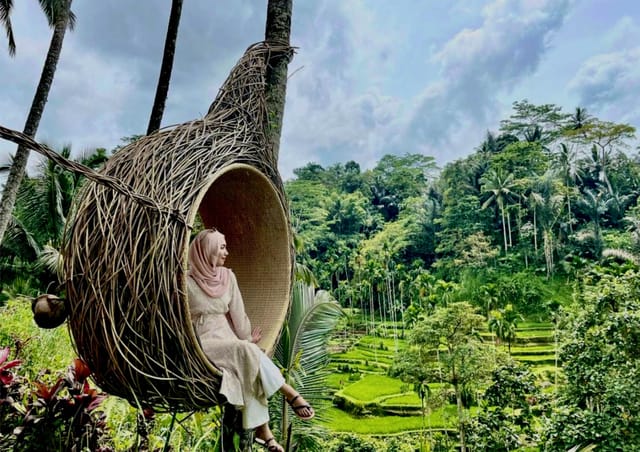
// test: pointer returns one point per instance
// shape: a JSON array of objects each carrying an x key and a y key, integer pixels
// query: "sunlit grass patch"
[
  {"x": 372, "y": 387},
  {"x": 410, "y": 399},
  {"x": 339, "y": 421},
  {"x": 534, "y": 333}
]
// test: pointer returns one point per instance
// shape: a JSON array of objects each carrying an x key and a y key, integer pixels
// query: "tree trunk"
[
  {"x": 162, "y": 89},
  {"x": 535, "y": 231},
  {"x": 277, "y": 32},
  {"x": 504, "y": 230},
  {"x": 569, "y": 212},
  {"x": 456, "y": 387},
  {"x": 509, "y": 227},
  {"x": 16, "y": 174}
]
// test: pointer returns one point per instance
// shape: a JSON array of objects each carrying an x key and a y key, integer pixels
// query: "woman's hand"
[{"x": 256, "y": 335}]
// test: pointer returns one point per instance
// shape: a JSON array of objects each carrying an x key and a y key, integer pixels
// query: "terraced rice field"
[{"x": 368, "y": 401}]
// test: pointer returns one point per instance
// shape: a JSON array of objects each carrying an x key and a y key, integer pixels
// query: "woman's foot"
[
  {"x": 301, "y": 408},
  {"x": 265, "y": 438},
  {"x": 270, "y": 444}
]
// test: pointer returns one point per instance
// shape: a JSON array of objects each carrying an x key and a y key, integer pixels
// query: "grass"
[
  {"x": 38, "y": 348},
  {"x": 339, "y": 421},
  {"x": 534, "y": 333},
  {"x": 371, "y": 387},
  {"x": 411, "y": 399}
]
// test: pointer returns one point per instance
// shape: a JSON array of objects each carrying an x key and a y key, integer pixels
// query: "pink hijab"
[{"x": 203, "y": 257}]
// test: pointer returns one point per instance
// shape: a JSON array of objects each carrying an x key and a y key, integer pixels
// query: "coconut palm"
[
  {"x": 42, "y": 206},
  {"x": 302, "y": 354},
  {"x": 60, "y": 18},
  {"x": 277, "y": 31},
  {"x": 499, "y": 188},
  {"x": 595, "y": 205},
  {"x": 567, "y": 164},
  {"x": 504, "y": 324},
  {"x": 162, "y": 90}
]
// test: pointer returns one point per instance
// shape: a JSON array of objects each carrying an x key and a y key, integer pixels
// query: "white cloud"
[
  {"x": 609, "y": 83},
  {"x": 335, "y": 108},
  {"x": 625, "y": 34},
  {"x": 476, "y": 67}
]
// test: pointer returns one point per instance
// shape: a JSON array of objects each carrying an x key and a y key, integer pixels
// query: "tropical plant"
[
  {"x": 600, "y": 402},
  {"x": 60, "y": 17},
  {"x": 464, "y": 363},
  {"x": 58, "y": 416},
  {"x": 301, "y": 353},
  {"x": 498, "y": 188}
]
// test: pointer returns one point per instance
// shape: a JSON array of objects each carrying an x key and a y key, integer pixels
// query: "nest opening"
[{"x": 245, "y": 206}]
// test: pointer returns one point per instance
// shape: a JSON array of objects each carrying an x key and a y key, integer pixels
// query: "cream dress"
[{"x": 249, "y": 377}]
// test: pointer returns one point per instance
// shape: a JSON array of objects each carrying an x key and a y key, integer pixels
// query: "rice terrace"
[{"x": 342, "y": 226}]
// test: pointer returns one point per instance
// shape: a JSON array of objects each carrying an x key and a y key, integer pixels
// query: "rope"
[{"x": 21, "y": 139}]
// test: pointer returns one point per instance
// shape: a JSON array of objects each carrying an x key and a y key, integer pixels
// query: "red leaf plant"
[{"x": 7, "y": 377}]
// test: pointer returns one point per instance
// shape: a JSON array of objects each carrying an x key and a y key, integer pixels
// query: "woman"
[{"x": 249, "y": 377}]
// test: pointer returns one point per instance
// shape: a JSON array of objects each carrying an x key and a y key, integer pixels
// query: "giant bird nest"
[{"x": 126, "y": 255}]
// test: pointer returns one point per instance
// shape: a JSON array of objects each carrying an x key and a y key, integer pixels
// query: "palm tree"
[
  {"x": 277, "y": 31},
  {"x": 566, "y": 162},
  {"x": 302, "y": 354},
  {"x": 500, "y": 190},
  {"x": 595, "y": 206},
  {"x": 162, "y": 90},
  {"x": 42, "y": 206},
  {"x": 504, "y": 324},
  {"x": 60, "y": 18},
  {"x": 579, "y": 118}
]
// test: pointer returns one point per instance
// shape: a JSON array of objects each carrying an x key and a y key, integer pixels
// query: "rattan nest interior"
[{"x": 126, "y": 263}]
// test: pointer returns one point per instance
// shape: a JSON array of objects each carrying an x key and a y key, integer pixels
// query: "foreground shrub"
[{"x": 42, "y": 417}]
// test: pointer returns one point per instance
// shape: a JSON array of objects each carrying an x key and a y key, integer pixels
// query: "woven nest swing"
[{"x": 126, "y": 261}]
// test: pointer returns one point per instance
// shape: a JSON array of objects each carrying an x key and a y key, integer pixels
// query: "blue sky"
[{"x": 371, "y": 77}]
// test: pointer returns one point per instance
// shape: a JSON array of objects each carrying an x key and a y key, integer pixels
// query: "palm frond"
[
  {"x": 17, "y": 229},
  {"x": 51, "y": 258},
  {"x": 54, "y": 9},
  {"x": 5, "y": 19},
  {"x": 621, "y": 254},
  {"x": 301, "y": 351}
]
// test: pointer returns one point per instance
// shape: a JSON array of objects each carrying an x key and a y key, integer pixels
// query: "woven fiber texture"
[{"x": 126, "y": 259}]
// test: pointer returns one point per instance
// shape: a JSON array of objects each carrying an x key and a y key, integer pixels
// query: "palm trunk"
[
  {"x": 162, "y": 89},
  {"x": 504, "y": 229},
  {"x": 509, "y": 227},
  {"x": 17, "y": 172},
  {"x": 278, "y": 32},
  {"x": 569, "y": 212},
  {"x": 535, "y": 231}
]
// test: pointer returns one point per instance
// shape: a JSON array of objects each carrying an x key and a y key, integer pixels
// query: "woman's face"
[{"x": 222, "y": 251}]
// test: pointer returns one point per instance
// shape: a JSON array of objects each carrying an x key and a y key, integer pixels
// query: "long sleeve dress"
[{"x": 249, "y": 377}]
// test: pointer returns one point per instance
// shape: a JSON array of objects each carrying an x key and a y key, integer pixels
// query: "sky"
[{"x": 370, "y": 77}]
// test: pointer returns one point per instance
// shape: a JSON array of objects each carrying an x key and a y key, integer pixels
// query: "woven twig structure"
[{"x": 126, "y": 261}]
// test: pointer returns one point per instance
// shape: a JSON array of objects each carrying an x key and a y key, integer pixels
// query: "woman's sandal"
[
  {"x": 296, "y": 409},
  {"x": 270, "y": 444}
]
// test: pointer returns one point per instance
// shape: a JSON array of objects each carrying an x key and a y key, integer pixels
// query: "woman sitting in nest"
[{"x": 249, "y": 377}]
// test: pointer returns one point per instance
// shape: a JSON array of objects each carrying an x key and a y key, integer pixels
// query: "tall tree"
[
  {"x": 500, "y": 191},
  {"x": 466, "y": 362},
  {"x": 277, "y": 32},
  {"x": 60, "y": 18},
  {"x": 162, "y": 90},
  {"x": 542, "y": 123},
  {"x": 567, "y": 164}
]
